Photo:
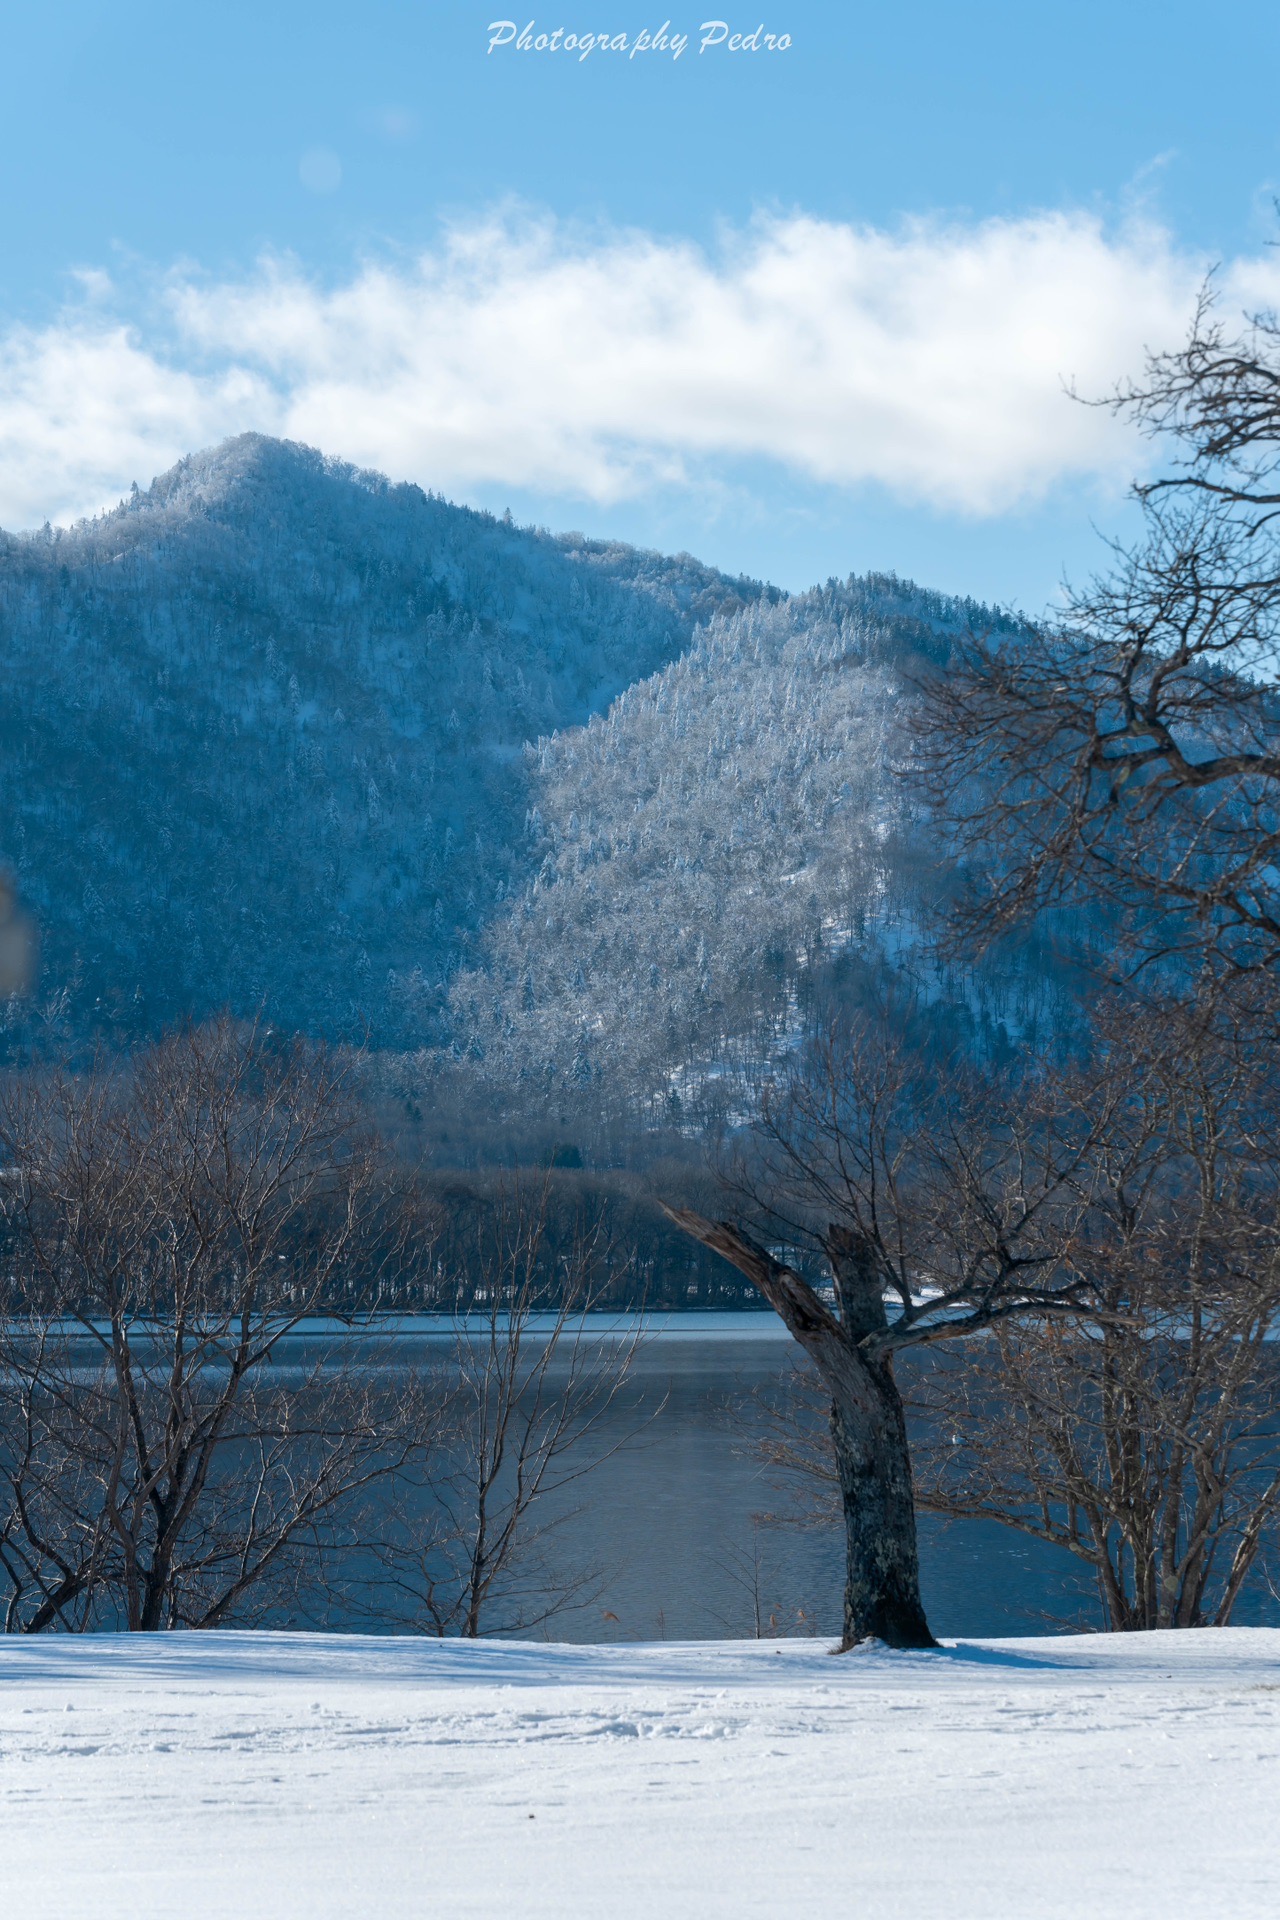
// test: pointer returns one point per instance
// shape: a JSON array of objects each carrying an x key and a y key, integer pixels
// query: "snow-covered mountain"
[
  {"x": 264, "y": 730},
  {"x": 278, "y": 734},
  {"x": 705, "y": 854}
]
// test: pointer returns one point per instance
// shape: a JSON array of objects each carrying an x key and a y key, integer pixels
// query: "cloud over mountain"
[{"x": 931, "y": 361}]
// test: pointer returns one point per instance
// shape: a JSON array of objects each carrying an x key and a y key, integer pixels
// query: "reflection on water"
[{"x": 681, "y": 1522}]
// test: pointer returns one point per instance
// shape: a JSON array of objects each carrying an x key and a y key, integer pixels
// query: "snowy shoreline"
[{"x": 275, "y": 1774}]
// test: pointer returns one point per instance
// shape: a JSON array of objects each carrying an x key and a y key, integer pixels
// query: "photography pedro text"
[{"x": 713, "y": 33}]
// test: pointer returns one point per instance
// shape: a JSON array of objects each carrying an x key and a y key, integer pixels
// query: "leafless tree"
[
  {"x": 1132, "y": 751},
  {"x": 1218, "y": 399},
  {"x": 1141, "y": 1436},
  {"x": 952, "y": 1194},
  {"x": 167, "y": 1222},
  {"x": 528, "y": 1417},
  {"x": 1145, "y": 1439}
]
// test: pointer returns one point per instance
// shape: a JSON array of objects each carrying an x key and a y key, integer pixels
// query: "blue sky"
[{"x": 156, "y": 155}]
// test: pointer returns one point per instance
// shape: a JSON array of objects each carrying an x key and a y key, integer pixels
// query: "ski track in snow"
[{"x": 246, "y": 1775}]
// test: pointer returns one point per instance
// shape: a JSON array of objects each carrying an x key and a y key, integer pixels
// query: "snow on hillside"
[
  {"x": 708, "y": 845},
  {"x": 263, "y": 731},
  {"x": 281, "y": 735},
  {"x": 259, "y": 1775}
]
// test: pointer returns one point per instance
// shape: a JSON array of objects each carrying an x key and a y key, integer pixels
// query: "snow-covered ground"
[{"x": 246, "y": 1775}]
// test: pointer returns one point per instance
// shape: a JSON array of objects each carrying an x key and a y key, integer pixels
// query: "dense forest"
[
  {"x": 264, "y": 734},
  {"x": 549, "y": 813},
  {"x": 714, "y": 853}
]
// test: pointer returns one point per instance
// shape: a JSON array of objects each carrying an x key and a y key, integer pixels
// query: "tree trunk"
[
  {"x": 869, "y": 1428},
  {"x": 882, "y": 1570}
]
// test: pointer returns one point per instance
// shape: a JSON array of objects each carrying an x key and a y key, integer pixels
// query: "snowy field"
[{"x": 246, "y": 1775}]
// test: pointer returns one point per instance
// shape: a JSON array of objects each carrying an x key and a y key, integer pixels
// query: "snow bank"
[{"x": 245, "y": 1775}]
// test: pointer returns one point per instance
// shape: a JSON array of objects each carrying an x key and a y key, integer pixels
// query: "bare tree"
[
  {"x": 949, "y": 1193},
  {"x": 1132, "y": 751},
  {"x": 527, "y": 1418},
  {"x": 1144, "y": 1441},
  {"x": 1217, "y": 397},
  {"x": 167, "y": 1222},
  {"x": 1141, "y": 1436}
]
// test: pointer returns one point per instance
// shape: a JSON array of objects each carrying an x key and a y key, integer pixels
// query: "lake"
[{"x": 683, "y": 1528}]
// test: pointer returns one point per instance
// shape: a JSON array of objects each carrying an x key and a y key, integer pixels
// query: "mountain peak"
[{"x": 265, "y": 723}]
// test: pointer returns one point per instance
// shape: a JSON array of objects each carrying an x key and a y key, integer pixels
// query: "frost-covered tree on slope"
[{"x": 706, "y": 845}]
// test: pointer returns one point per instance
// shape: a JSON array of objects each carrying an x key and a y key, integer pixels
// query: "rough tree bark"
[{"x": 854, "y": 1358}]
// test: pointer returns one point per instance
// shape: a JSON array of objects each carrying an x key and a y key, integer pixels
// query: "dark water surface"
[
  {"x": 687, "y": 1522},
  {"x": 680, "y": 1526}
]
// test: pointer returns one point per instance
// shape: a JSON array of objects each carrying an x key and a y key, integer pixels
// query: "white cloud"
[
  {"x": 931, "y": 361},
  {"x": 86, "y": 407}
]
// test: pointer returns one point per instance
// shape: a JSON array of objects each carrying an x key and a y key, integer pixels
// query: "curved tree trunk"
[{"x": 868, "y": 1425}]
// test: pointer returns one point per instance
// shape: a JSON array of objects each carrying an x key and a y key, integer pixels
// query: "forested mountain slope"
[
  {"x": 264, "y": 729},
  {"x": 712, "y": 850},
  {"x": 279, "y": 734}
]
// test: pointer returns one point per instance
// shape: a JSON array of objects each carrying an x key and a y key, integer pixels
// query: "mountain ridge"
[
  {"x": 285, "y": 737},
  {"x": 274, "y": 698}
]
